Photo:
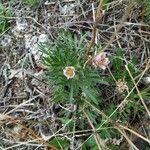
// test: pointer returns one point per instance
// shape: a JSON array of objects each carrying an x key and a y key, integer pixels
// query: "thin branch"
[
  {"x": 98, "y": 140},
  {"x": 139, "y": 94},
  {"x": 98, "y": 16},
  {"x": 30, "y": 132},
  {"x": 135, "y": 133},
  {"x": 126, "y": 137},
  {"x": 123, "y": 19}
]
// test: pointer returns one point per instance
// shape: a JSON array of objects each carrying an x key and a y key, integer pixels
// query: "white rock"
[
  {"x": 68, "y": 9},
  {"x": 30, "y": 41},
  {"x": 17, "y": 129},
  {"x": 21, "y": 24},
  {"x": 43, "y": 38},
  {"x": 39, "y": 75},
  {"x": 19, "y": 73},
  {"x": 147, "y": 80},
  {"x": 35, "y": 49},
  {"x": 6, "y": 41}
]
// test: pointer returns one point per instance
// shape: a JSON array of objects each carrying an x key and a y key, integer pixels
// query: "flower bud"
[{"x": 100, "y": 60}]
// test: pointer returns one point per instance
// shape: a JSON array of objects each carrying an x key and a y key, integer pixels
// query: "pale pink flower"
[
  {"x": 100, "y": 60},
  {"x": 69, "y": 72}
]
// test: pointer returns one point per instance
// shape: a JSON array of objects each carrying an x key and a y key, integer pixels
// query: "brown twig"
[
  {"x": 98, "y": 16},
  {"x": 139, "y": 94},
  {"x": 127, "y": 138},
  {"x": 98, "y": 140},
  {"x": 123, "y": 19},
  {"x": 133, "y": 132},
  {"x": 28, "y": 132}
]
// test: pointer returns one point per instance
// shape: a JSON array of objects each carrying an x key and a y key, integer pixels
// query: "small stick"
[
  {"x": 123, "y": 19},
  {"x": 98, "y": 140},
  {"x": 139, "y": 94},
  {"x": 98, "y": 16}
]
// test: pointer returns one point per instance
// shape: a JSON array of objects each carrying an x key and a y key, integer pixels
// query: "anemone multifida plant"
[
  {"x": 72, "y": 77},
  {"x": 78, "y": 82}
]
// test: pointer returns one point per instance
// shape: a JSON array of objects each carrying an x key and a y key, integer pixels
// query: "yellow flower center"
[{"x": 69, "y": 72}]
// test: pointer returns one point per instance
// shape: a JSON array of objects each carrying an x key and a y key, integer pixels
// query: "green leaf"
[
  {"x": 110, "y": 110},
  {"x": 90, "y": 144},
  {"x": 145, "y": 93},
  {"x": 118, "y": 59},
  {"x": 101, "y": 81},
  {"x": 59, "y": 142},
  {"x": 104, "y": 134},
  {"x": 91, "y": 94},
  {"x": 31, "y": 3},
  {"x": 4, "y": 12}
]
